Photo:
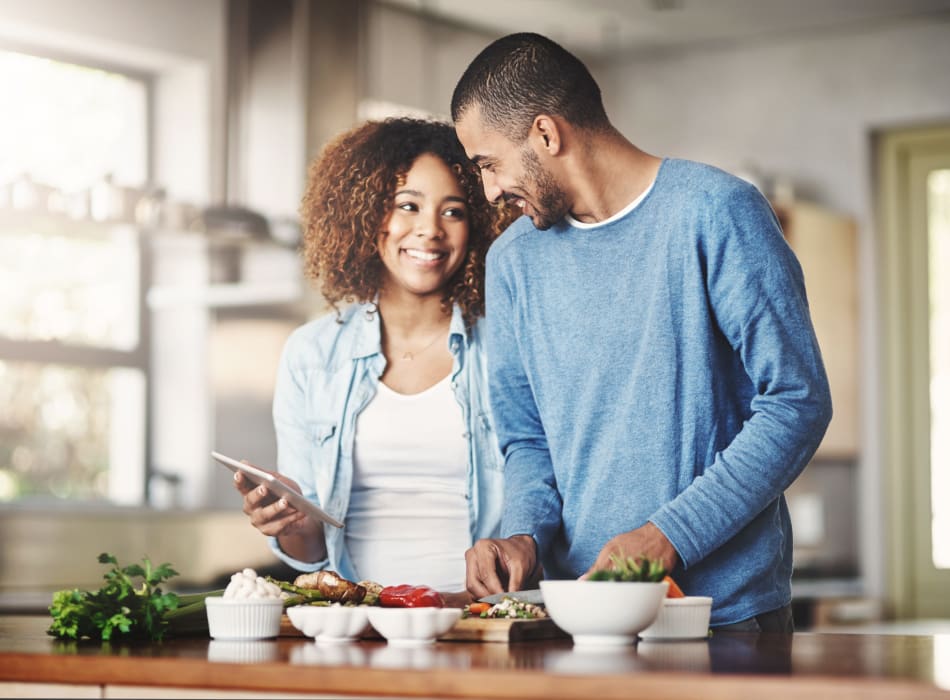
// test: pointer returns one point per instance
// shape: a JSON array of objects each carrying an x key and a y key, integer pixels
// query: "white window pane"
[
  {"x": 67, "y": 126},
  {"x": 78, "y": 285},
  {"x": 71, "y": 433},
  {"x": 938, "y": 200}
]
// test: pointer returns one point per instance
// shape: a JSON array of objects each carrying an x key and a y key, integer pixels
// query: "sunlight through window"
[
  {"x": 72, "y": 372},
  {"x": 938, "y": 199}
]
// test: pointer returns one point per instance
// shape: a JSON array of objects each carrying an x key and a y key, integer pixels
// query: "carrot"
[
  {"x": 478, "y": 608},
  {"x": 673, "y": 591}
]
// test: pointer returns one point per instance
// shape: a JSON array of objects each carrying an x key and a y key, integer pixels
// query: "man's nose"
[{"x": 490, "y": 184}]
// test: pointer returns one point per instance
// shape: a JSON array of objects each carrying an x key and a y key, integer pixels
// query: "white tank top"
[{"x": 408, "y": 518}]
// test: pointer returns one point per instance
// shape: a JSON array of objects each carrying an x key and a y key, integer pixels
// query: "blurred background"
[{"x": 152, "y": 158}]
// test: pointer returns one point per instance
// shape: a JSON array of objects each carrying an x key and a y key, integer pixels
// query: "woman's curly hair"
[{"x": 350, "y": 192}]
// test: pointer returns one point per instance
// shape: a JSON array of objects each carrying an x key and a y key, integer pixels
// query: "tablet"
[{"x": 275, "y": 485}]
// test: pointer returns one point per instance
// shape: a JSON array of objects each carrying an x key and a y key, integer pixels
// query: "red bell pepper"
[{"x": 406, "y": 596}]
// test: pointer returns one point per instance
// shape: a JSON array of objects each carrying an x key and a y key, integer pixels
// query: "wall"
[
  {"x": 803, "y": 107},
  {"x": 415, "y": 62}
]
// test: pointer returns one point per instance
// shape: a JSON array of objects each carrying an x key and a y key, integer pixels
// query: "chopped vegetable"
[
  {"x": 372, "y": 592},
  {"x": 406, "y": 596},
  {"x": 476, "y": 609},
  {"x": 121, "y": 608},
  {"x": 513, "y": 608},
  {"x": 673, "y": 591},
  {"x": 630, "y": 569}
]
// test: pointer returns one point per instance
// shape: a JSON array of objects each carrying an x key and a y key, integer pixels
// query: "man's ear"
[{"x": 547, "y": 133}]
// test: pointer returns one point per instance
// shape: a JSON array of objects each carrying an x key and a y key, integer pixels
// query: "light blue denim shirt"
[{"x": 329, "y": 371}]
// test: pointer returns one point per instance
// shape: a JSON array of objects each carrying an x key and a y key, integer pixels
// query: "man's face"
[{"x": 512, "y": 171}]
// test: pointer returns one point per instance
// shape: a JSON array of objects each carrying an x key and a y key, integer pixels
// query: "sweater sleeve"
[
  {"x": 532, "y": 503},
  {"x": 756, "y": 293}
]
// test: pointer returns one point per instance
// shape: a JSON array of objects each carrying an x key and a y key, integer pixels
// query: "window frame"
[{"x": 86, "y": 356}]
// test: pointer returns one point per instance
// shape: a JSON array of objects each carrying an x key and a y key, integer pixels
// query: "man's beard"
[{"x": 552, "y": 202}]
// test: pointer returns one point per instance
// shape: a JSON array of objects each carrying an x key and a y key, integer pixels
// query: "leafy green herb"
[
  {"x": 122, "y": 608},
  {"x": 630, "y": 569}
]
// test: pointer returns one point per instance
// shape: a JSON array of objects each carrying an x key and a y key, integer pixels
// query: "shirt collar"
[{"x": 368, "y": 340}]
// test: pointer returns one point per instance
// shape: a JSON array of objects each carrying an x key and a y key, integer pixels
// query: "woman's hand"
[
  {"x": 272, "y": 515},
  {"x": 299, "y": 536}
]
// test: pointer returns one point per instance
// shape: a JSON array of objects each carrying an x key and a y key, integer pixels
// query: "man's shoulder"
[
  {"x": 512, "y": 236},
  {"x": 702, "y": 178}
]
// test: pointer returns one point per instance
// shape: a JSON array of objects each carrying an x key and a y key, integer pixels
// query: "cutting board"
[
  {"x": 475, "y": 629},
  {"x": 479, "y": 629}
]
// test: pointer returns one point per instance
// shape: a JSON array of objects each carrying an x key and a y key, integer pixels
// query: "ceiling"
[{"x": 599, "y": 27}]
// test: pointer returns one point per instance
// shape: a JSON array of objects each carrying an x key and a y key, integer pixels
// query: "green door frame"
[{"x": 904, "y": 157}]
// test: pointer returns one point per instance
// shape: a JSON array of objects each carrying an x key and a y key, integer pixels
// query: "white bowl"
[
  {"x": 413, "y": 626},
  {"x": 244, "y": 618},
  {"x": 603, "y": 613},
  {"x": 329, "y": 623},
  {"x": 681, "y": 618}
]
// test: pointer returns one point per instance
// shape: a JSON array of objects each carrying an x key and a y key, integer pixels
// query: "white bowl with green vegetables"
[{"x": 611, "y": 607}]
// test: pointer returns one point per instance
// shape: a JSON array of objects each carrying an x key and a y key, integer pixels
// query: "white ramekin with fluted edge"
[{"x": 244, "y": 618}]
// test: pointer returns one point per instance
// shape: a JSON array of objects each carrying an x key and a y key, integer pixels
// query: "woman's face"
[{"x": 425, "y": 238}]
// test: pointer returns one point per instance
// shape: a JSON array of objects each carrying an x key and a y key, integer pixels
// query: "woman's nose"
[{"x": 428, "y": 225}]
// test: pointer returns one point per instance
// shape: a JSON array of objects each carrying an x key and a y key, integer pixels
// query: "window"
[{"x": 73, "y": 364}]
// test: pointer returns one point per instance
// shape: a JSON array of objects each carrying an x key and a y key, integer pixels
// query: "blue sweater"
[{"x": 659, "y": 366}]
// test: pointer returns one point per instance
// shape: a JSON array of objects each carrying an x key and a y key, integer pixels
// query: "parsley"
[{"x": 120, "y": 609}]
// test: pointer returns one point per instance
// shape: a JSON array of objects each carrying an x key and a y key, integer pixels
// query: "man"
[{"x": 654, "y": 374}]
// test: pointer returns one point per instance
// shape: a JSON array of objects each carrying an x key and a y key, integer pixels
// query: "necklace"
[{"x": 411, "y": 354}]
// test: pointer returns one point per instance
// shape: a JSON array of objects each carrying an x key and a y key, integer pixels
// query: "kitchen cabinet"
[{"x": 825, "y": 243}]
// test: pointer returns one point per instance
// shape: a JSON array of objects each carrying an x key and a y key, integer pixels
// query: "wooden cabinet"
[{"x": 826, "y": 245}]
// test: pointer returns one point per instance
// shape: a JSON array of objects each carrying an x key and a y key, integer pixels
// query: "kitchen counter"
[{"x": 813, "y": 665}]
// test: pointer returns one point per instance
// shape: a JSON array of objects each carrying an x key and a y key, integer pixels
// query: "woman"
[{"x": 380, "y": 408}]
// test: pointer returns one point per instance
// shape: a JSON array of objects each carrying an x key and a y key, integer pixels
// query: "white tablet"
[{"x": 259, "y": 476}]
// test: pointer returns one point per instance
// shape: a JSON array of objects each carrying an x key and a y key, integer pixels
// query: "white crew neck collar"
[{"x": 616, "y": 217}]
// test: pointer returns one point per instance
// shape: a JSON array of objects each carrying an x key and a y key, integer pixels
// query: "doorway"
[{"x": 914, "y": 223}]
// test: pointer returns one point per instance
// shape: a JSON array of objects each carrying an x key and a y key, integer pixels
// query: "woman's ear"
[{"x": 547, "y": 132}]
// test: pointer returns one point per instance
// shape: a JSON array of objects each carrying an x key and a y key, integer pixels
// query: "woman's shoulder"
[{"x": 327, "y": 338}]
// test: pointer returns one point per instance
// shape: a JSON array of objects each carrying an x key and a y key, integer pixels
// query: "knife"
[{"x": 532, "y": 596}]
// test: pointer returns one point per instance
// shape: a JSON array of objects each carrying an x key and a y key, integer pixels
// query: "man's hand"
[
  {"x": 501, "y": 565},
  {"x": 647, "y": 541}
]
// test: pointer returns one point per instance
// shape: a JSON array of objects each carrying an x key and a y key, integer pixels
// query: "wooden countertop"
[{"x": 812, "y": 665}]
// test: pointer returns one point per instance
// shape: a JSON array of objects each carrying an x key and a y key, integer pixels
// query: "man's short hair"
[{"x": 520, "y": 76}]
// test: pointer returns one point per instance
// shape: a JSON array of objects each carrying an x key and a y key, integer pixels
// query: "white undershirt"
[
  {"x": 408, "y": 518},
  {"x": 616, "y": 217}
]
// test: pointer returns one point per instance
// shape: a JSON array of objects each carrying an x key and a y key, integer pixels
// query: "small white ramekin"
[
  {"x": 244, "y": 618},
  {"x": 681, "y": 618}
]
